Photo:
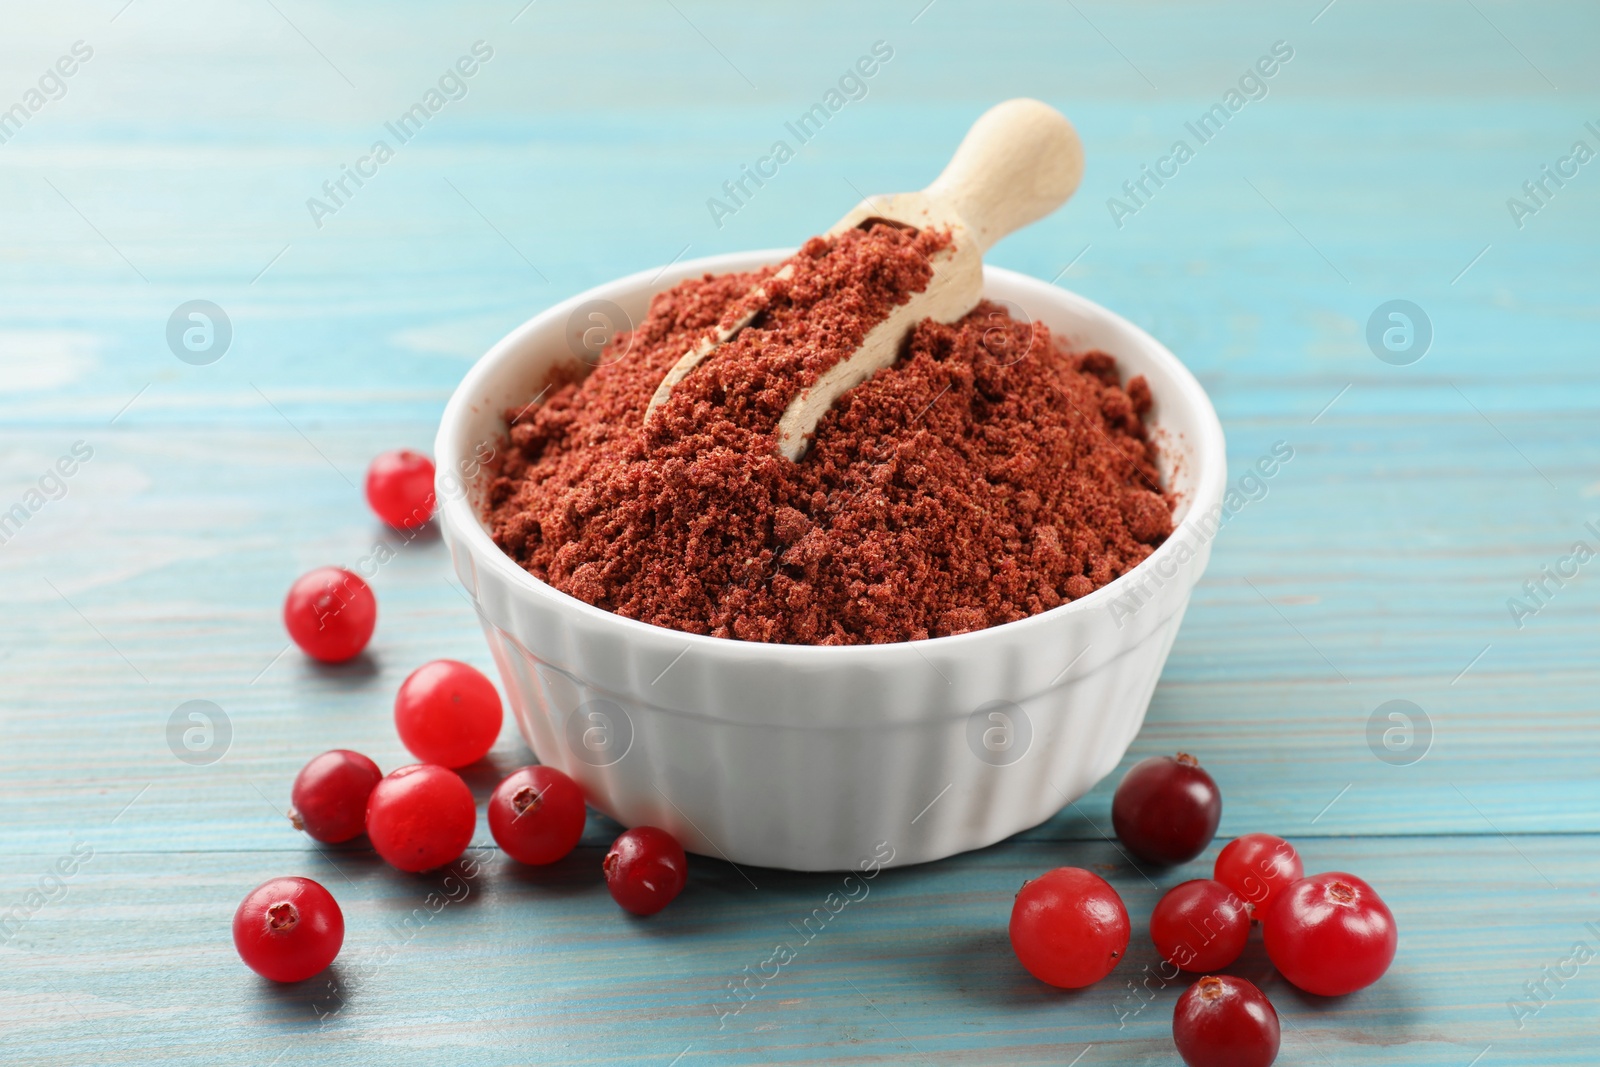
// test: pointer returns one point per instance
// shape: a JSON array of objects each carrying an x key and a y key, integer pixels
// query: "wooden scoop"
[{"x": 1020, "y": 161}]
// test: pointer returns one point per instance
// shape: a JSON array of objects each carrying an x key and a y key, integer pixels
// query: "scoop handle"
[{"x": 1020, "y": 161}]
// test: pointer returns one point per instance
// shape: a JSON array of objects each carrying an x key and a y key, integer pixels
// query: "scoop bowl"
[{"x": 828, "y": 758}]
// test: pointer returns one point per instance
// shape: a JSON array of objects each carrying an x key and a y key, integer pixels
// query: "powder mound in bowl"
[{"x": 988, "y": 475}]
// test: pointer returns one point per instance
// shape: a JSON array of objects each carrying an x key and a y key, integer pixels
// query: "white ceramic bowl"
[{"x": 814, "y": 758}]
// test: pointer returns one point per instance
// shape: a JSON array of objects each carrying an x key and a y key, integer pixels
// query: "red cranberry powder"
[{"x": 988, "y": 475}]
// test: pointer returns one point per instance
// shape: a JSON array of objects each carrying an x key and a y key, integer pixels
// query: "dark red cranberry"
[
  {"x": 645, "y": 870},
  {"x": 329, "y": 799},
  {"x": 1222, "y": 1021},
  {"x": 1167, "y": 808}
]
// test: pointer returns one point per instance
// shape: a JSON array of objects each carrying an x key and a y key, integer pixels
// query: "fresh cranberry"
[
  {"x": 1200, "y": 925},
  {"x": 400, "y": 488},
  {"x": 1258, "y": 867},
  {"x": 288, "y": 929},
  {"x": 329, "y": 800},
  {"x": 537, "y": 815},
  {"x": 330, "y": 614},
  {"x": 1222, "y": 1021},
  {"x": 1166, "y": 810},
  {"x": 421, "y": 817},
  {"x": 1330, "y": 934},
  {"x": 447, "y": 713},
  {"x": 645, "y": 870},
  {"x": 1069, "y": 927}
]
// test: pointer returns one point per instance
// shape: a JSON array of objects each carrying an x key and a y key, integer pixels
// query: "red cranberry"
[
  {"x": 329, "y": 800},
  {"x": 1166, "y": 810},
  {"x": 1069, "y": 927},
  {"x": 645, "y": 870},
  {"x": 288, "y": 929},
  {"x": 537, "y": 815},
  {"x": 1330, "y": 934},
  {"x": 447, "y": 713},
  {"x": 1222, "y": 1021},
  {"x": 1258, "y": 867},
  {"x": 330, "y": 613},
  {"x": 1200, "y": 925},
  {"x": 400, "y": 488},
  {"x": 421, "y": 817}
]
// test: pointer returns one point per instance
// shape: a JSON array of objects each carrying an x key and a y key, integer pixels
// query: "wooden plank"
[{"x": 133, "y": 964}]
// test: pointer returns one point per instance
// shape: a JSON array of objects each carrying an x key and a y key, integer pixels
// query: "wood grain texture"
[{"x": 1375, "y": 565}]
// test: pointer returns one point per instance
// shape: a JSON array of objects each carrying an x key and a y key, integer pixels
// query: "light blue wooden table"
[{"x": 175, "y": 164}]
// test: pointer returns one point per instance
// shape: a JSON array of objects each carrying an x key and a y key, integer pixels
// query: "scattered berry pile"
[
  {"x": 1329, "y": 934},
  {"x": 422, "y": 816}
]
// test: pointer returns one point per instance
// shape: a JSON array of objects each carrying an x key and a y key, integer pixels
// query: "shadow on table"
[
  {"x": 311, "y": 1004},
  {"x": 577, "y": 874},
  {"x": 354, "y": 673},
  {"x": 482, "y": 777}
]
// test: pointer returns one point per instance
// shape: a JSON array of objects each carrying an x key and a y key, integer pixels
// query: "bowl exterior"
[{"x": 813, "y": 758}]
